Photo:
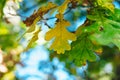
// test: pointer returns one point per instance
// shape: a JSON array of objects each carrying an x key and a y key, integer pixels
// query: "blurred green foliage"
[{"x": 2, "y": 3}]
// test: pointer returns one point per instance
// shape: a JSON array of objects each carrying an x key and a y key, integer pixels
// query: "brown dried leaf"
[{"x": 41, "y": 11}]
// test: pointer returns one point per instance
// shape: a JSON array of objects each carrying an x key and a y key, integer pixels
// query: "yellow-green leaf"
[
  {"x": 61, "y": 35},
  {"x": 33, "y": 39},
  {"x": 63, "y": 7},
  {"x": 106, "y": 4},
  {"x": 31, "y": 28}
]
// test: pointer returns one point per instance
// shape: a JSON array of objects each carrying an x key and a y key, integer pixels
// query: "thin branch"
[
  {"x": 70, "y": 8},
  {"x": 47, "y": 24}
]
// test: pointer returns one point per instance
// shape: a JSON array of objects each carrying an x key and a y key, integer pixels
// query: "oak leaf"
[
  {"x": 106, "y": 4},
  {"x": 61, "y": 35},
  {"x": 63, "y": 7},
  {"x": 82, "y": 50}
]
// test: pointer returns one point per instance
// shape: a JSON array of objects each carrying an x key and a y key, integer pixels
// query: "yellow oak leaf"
[
  {"x": 109, "y": 6},
  {"x": 61, "y": 35},
  {"x": 63, "y": 7},
  {"x": 106, "y": 4}
]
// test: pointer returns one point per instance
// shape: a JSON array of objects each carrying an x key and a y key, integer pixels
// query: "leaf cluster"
[{"x": 101, "y": 28}]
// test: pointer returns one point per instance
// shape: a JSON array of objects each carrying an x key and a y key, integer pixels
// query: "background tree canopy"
[{"x": 59, "y": 39}]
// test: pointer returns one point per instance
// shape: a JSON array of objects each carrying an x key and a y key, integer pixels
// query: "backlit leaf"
[
  {"x": 109, "y": 35},
  {"x": 63, "y": 7},
  {"x": 82, "y": 50},
  {"x": 60, "y": 35},
  {"x": 106, "y": 4},
  {"x": 33, "y": 39}
]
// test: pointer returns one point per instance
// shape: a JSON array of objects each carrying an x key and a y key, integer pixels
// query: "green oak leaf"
[{"x": 82, "y": 50}]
